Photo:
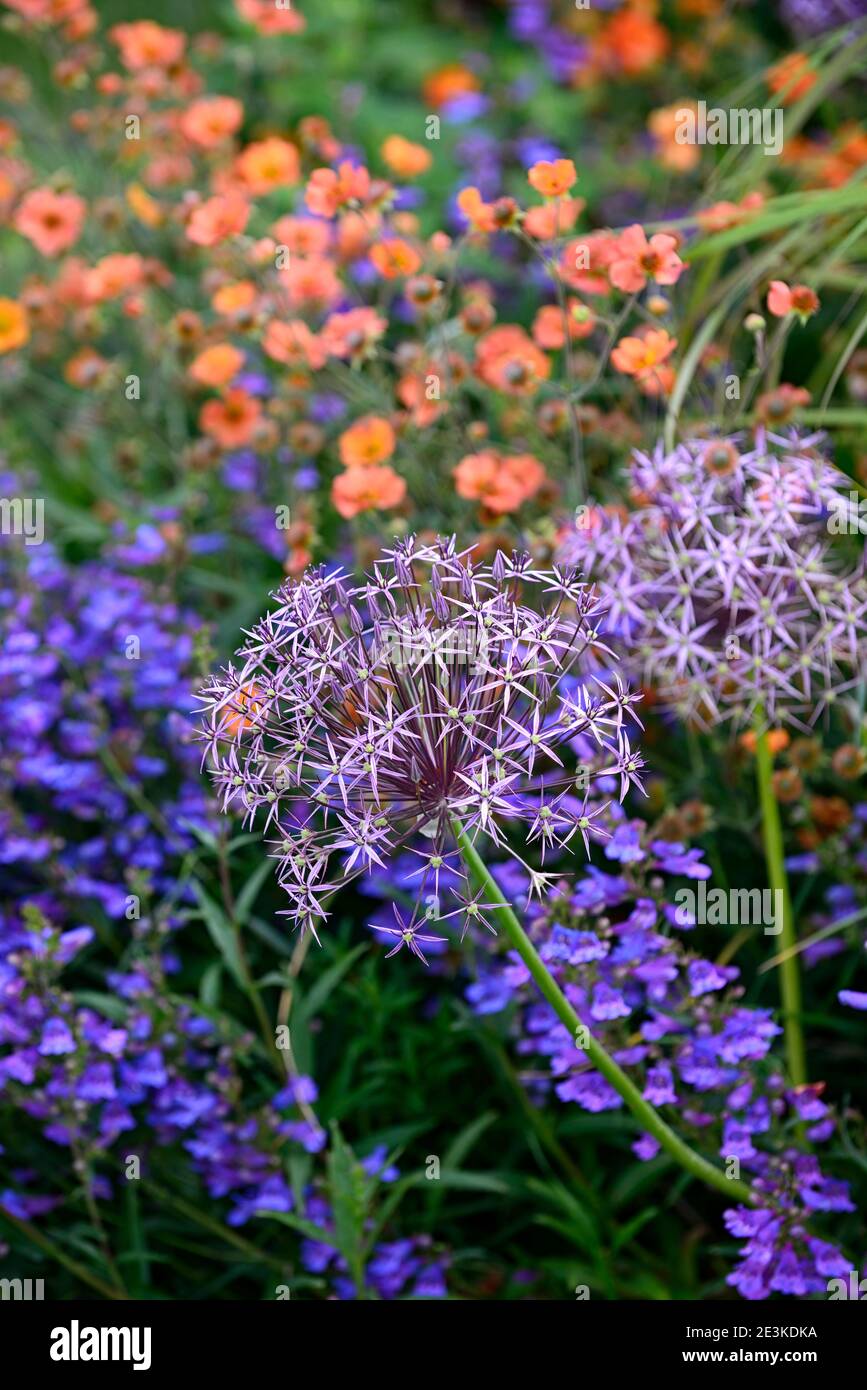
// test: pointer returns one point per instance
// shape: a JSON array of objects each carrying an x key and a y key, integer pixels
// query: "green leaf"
[
  {"x": 250, "y": 891},
  {"x": 350, "y": 1195},
  {"x": 222, "y": 935},
  {"x": 327, "y": 982}
]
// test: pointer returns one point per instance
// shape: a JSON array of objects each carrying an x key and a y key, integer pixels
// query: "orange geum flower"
[
  {"x": 368, "y": 442},
  {"x": 509, "y": 360},
  {"x": 143, "y": 206},
  {"x": 148, "y": 45},
  {"x": 720, "y": 216},
  {"x": 51, "y": 221},
  {"x": 232, "y": 420},
  {"x": 549, "y": 330},
  {"x": 636, "y": 260},
  {"x": 353, "y": 333},
  {"x": 86, "y": 368},
  {"x": 367, "y": 489},
  {"x": 550, "y": 220},
  {"x": 14, "y": 325},
  {"x": 778, "y": 407},
  {"x": 502, "y": 483},
  {"x": 446, "y": 83},
  {"x": 329, "y": 190},
  {"x": 113, "y": 276},
  {"x": 294, "y": 344},
  {"x": 302, "y": 236},
  {"x": 268, "y": 164},
  {"x": 478, "y": 213},
  {"x": 552, "y": 178},
  {"x": 217, "y": 219},
  {"x": 663, "y": 124},
  {"x": 641, "y": 356},
  {"x": 792, "y": 78},
  {"x": 394, "y": 257},
  {"x": 584, "y": 264},
  {"x": 269, "y": 18},
  {"x": 244, "y": 712},
  {"x": 217, "y": 365},
  {"x": 633, "y": 41},
  {"x": 800, "y": 300},
  {"x": 211, "y": 120},
  {"x": 311, "y": 281},
  {"x": 237, "y": 298},
  {"x": 404, "y": 157}
]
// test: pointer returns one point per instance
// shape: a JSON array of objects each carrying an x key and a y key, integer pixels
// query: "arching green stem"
[
  {"x": 647, "y": 1116},
  {"x": 790, "y": 974}
]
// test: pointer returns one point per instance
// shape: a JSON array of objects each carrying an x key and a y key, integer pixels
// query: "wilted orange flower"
[
  {"x": 268, "y": 164},
  {"x": 395, "y": 257},
  {"x": 552, "y": 178},
  {"x": 367, "y": 489},
  {"x": 549, "y": 330},
  {"x": 352, "y": 334},
  {"x": 148, "y": 45},
  {"x": 14, "y": 326},
  {"x": 800, "y": 300},
  {"x": 500, "y": 482},
  {"x": 269, "y": 19},
  {"x": 217, "y": 365},
  {"x": 294, "y": 344},
  {"x": 792, "y": 78},
  {"x": 51, "y": 221},
  {"x": 85, "y": 368},
  {"x": 508, "y": 359},
  {"x": 113, "y": 276},
  {"x": 233, "y": 420},
  {"x": 328, "y": 190},
  {"x": 446, "y": 83},
  {"x": 642, "y": 356},
  {"x": 367, "y": 442},
  {"x": 211, "y": 120},
  {"x": 405, "y": 158},
  {"x": 218, "y": 218},
  {"x": 635, "y": 260}
]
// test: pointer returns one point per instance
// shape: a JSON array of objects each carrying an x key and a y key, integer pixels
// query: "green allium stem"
[
  {"x": 790, "y": 975},
  {"x": 649, "y": 1118}
]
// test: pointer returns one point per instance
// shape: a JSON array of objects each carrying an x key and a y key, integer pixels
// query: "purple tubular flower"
[
  {"x": 728, "y": 591},
  {"x": 362, "y": 717}
]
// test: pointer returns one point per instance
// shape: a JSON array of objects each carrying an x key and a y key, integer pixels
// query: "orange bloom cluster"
[
  {"x": 501, "y": 483},
  {"x": 367, "y": 484}
]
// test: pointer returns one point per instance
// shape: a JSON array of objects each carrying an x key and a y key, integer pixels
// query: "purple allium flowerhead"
[
  {"x": 362, "y": 717},
  {"x": 729, "y": 588}
]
